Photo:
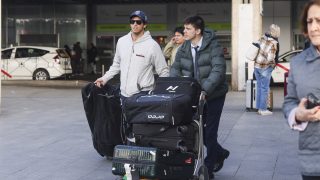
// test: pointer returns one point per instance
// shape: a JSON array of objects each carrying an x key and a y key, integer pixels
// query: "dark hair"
[
  {"x": 196, "y": 21},
  {"x": 304, "y": 15},
  {"x": 179, "y": 30}
]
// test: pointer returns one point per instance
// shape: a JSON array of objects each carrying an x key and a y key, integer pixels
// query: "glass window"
[
  {"x": 6, "y": 54},
  {"x": 288, "y": 57},
  {"x": 29, "y": 52},
  {"x": 37, "y": 52},
  {"x": 35, "y": 26},
  {"x": 21, "y": 53},
  {"x": 72, "y": 30}
]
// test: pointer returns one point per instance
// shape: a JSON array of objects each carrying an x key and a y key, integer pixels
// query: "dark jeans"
[
  {"x": 76, "y": 66},
  {"x": 310, "y": 177},
  {"x": 212, "y": 116}
]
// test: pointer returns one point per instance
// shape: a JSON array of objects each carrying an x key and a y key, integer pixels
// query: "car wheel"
[{"x": 41, "y": 74}]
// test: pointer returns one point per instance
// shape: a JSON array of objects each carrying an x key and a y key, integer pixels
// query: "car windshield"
[
  {"x": 62, "y": 53},
  {"x": 288, "y": 57}
]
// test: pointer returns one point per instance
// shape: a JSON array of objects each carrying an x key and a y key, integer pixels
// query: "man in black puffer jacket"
[{"x": 202, "y": 57}]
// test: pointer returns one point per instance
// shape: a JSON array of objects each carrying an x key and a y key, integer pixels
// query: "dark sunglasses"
[{"x": 135, "y": 21}]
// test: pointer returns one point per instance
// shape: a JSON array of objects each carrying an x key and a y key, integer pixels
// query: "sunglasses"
[{"x": 135, "y": 21}]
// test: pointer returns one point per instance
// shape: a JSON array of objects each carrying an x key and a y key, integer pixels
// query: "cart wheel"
[{"x": 203, "y": 173}]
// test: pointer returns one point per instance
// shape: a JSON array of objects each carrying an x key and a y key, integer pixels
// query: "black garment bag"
[{"x": 103, "y": 112}]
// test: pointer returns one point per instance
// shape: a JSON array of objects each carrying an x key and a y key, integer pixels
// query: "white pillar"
[
  {"x": 246, "y": 27},
  {"x": 0, "y": 50}
]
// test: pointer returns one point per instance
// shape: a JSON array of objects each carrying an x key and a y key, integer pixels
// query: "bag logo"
[
  {"x": 155, "y": 116},
  {"x": 172, "y": 88}
]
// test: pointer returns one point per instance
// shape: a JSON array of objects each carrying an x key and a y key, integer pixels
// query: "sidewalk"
[{"x": 44, "y": 135}]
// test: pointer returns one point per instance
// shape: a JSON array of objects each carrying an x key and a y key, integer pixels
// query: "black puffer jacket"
[{"x": 212, "y": 65}]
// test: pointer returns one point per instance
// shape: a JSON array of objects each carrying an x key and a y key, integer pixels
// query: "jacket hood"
[
  {"x": 146, "y": 35},
  {"x": 208, "y": 36}
]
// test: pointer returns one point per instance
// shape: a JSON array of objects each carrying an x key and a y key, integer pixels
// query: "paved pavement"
[{"x": 44, "y": 135}]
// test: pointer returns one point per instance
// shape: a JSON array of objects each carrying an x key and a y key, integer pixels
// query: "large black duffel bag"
[
  {"x": 153, "y": 162},
  {"x": 178, "y": 85},
  {"x": 182, "y": 137},
  {"x": 103, "y": 112},
  {"x": 171, "y": 109}
]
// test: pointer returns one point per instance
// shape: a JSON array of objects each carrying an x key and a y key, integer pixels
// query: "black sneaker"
[{"x": 219, "y": 164}]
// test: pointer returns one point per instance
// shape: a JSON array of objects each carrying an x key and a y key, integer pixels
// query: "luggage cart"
[
  {"x": 201, "y": 171},
  {"x": 133, "y": 155}
]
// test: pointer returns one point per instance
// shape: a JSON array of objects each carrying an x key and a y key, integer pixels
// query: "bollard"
[
  {"x": 102, "y": 69},
  {"x": 285, "y": 83}
]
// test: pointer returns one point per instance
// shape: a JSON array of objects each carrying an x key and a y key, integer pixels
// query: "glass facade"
[{"x": 68, "y": 23}]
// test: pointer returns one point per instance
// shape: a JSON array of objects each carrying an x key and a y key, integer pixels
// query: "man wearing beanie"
[{"x": 137, "y": 57}]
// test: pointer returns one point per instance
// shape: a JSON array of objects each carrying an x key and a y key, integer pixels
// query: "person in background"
[
  {"x": 171, "y": 48},
  {"x": 263, "y": 66},
  {"x": 137, "y": 57},
  {"x": 77, "y": 56},
  {"x": 304, "y": 79},
  {"x": 73, "y": 60},
  {"x": 92, "y": 55},
  {"x": 202, "y": 57},
  {"x": 68, "y": 50}
]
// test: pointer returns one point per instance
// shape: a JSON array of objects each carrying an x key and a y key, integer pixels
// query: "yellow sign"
[{"x": 219, "y": 26}]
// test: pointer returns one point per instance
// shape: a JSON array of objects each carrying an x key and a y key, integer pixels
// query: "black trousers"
[
  {"x": 310, "y": 177},
  {"x": 212, "y": 114}
]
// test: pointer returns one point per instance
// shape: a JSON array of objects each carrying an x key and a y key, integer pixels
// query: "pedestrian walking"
[
  {"x": 201, "y": 57},
  {"x": 301, "y": 113}
]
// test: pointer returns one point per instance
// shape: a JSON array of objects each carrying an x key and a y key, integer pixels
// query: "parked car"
[
  {"x": 33, "y": 62},
  {"x": 283, "y": 66}
]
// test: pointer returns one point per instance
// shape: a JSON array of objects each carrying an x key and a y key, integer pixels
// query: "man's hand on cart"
[
  {"x": 202, "y": 101},
  {"x": 99, "y": 82},
  {"x": 203, "y": 95}
]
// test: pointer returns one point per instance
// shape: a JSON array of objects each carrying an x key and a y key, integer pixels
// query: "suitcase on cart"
[
  {"x": 170, "y": 109},
  {"x": 179, "y": 85},
  {"x": 182, "y": 137},
  {"x": 152, "y": 162},
  {"x": 251, "y": 95}
]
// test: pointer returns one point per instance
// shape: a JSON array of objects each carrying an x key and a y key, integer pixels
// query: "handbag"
[{"x": 253, "y": 51}]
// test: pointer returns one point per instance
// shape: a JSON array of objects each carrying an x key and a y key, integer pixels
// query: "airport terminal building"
[{"x": 64, "y": 22}]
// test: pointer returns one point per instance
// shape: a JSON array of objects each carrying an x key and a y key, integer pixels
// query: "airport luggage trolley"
[{"x": 135, "y": 162}]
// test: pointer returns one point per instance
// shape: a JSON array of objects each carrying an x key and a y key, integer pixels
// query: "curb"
[{"x": 47, "y": 83}]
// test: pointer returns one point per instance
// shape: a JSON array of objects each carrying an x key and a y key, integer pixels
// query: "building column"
[
  {"x": 246, "y": 28},
  {"x": 0, "y": 50}
]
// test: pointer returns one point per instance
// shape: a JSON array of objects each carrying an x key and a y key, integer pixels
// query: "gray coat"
[
  {"x": 303, "y": 79},
  {"x": 211, "y": 63}
]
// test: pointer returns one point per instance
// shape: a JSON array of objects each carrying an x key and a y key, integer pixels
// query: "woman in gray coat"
[{"x": 303, "y": 79}]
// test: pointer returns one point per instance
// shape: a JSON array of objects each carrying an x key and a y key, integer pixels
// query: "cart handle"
[{"x": 202, "y": 101}]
